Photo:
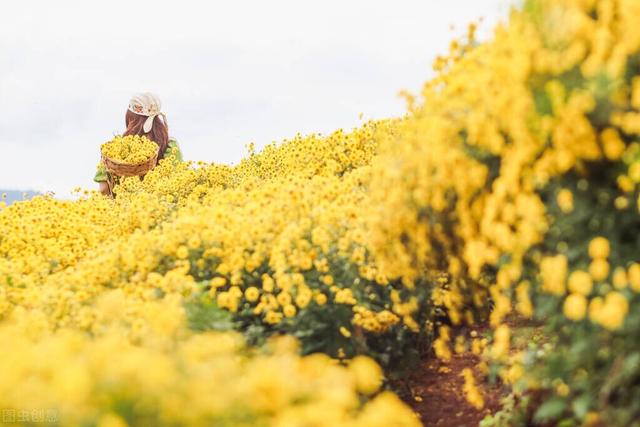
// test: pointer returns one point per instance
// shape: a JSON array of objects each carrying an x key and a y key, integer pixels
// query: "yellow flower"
[
  {"x": 614, "y": 311},
  {"x": 514, "y": 373},
  {"x": 554, "y": 272},
  {"x": 386, "y": 409},
  {"x": 595, "y": 306},
  {"x": 194, "y": 242},
  {"x": 575, "y": 307},
  {"x": 610, "y": 312},
  {"x": 303, "y": 299},
  {"x": 227, "y": 300},
  {"x": 599, "y": 269},
  {"x": 621, "y": 202},
  {"x": 634, "y": 277},
  {"x": 218, "y": 282},
  {"x": 131, "y": 149},
  {"x": 634, "y": 172},
  {"x": 580, "y": 282},
  {"x": 565, "y": 200},
  {"x": 599, "y": 248},
  {"x": 252, "y": 294},
  {"x": 620, "y": 278},
  {"x": 501, "y": 342},
  {"x": 111, "y": 420},
  {"x": 284, "y": 298},
  {"x": 613, "y": 146},
  {"x": 345, "y": 332},
  {"x": 235, "y": 291},
  {"x": 327, "y": 279},
  {"x": 182, "y": 252},
  {"x": 625, "y": 183},
  {"x": 289, "y": 310},
  {"x": 367, "y": 373},
  {"x": 268, "y": 284},
  {"x": 320, "y": 299},
  {"x": 344, "y": 296},
  {"x": 273, "y": 317},
  {"x": 471, "y": 391}
]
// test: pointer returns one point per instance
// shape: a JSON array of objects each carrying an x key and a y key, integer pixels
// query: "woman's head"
[{"x": 143, "y": 117}]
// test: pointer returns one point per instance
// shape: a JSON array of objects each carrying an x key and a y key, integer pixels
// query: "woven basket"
[{"x": 121, "y": 169}]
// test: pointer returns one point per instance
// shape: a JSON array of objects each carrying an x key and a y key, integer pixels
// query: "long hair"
[{"x": 159, "y": 131}]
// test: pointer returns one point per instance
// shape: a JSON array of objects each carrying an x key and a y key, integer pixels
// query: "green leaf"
[
  {"x": 567, "y": 422},
  {"x": 488, "y": 421},
  {"x": 581, "y": 405},
  {"x": 631, "y": 364},
  {"x": 551, "y": 409},
  {"x": 205, "y": 316}
]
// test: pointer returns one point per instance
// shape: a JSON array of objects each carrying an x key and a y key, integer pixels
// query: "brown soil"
[{"x": 434, "y": 391}]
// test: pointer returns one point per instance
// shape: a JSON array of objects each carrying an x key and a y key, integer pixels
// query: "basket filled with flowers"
[{"x": 131, "y": 155}]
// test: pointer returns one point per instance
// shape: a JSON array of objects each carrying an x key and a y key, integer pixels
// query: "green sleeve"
[
  {"x": 173, "y": 150},
  {"x": 101, "y": 173}
]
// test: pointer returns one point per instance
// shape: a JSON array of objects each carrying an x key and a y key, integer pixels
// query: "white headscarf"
[{"x": 147, "y": 104}]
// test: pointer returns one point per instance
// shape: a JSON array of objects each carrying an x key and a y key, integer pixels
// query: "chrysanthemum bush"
[
  {"x": 201, "y": 260},
  {"x": 279, "y": 243},
  {"x": 518, "y": 176}
]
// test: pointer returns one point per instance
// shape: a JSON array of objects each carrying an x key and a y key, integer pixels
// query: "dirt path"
[{"x": 434, "y": 391}]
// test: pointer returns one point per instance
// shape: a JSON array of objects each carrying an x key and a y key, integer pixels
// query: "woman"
[{"x": 143, "y": 117}]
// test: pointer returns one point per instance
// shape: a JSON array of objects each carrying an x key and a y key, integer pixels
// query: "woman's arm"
[
  {"x": 104, "y": 188},
  {"x": 102, "y": 178},
  {"x": 101, "y": 173}
]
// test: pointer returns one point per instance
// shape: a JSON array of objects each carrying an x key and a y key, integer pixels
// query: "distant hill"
[{"x": 16, "y": 196}]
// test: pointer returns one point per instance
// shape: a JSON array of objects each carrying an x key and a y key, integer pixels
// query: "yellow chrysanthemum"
[
  {"x": 131, "y": 149},
  {"x": 575, "y": 306}
]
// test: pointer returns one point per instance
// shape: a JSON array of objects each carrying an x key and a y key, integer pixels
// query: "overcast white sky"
[{"x": 228, "y": 73}]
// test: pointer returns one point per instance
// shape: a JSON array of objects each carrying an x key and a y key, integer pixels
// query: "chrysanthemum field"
[{"x": 302, "y": 286}]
